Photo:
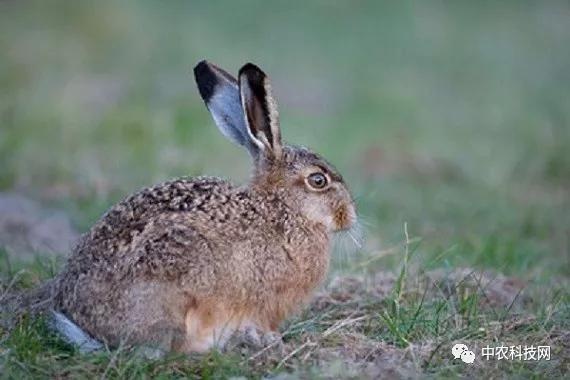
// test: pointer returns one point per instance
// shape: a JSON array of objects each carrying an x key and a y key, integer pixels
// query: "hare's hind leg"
[
  {"x": 174, "y": 320},
  {"x": 170, "y": 319},
  {"x": 153, "y": 314}
]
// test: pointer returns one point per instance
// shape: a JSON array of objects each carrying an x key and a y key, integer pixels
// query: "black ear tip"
[
  {"x": 201, "y": 69},
  {"x": 205, "y": 79},
  {"x": 201, "y": 63},
  {"x": 252, "y": 71}
]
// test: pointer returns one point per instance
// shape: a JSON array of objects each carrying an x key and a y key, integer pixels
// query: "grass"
[{"x": 451, "y": 119}]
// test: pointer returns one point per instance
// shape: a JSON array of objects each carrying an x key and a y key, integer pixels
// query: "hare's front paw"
[{"x": 255, "y": 339}]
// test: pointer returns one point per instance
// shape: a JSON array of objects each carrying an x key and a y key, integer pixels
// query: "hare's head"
[{"x": 245, "y": 112}]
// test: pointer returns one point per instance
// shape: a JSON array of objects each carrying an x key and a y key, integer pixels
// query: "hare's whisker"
[{"x": 356, "y": 242}]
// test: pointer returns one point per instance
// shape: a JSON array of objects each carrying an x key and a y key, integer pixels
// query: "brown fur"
[
  {"x": 187, "y": 262},
  {"x": 195, "y": 257}
]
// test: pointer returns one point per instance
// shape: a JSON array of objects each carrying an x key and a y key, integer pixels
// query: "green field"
[{"x": 452, "y": 118}]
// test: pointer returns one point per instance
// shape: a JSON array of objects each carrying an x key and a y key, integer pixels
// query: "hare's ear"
[
  {"x": 260, "y": 110},
  {"x": 220, "y": 92}
]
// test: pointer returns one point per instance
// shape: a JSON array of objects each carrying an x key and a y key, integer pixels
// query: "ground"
[{"x": 449, "y": 121}]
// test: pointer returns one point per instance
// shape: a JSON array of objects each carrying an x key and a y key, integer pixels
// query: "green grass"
[
  {"x": 452, "y": 118},
  {"x": 36, "y": 353}
]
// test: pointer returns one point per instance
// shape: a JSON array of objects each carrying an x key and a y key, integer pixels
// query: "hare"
[{"x": 187, "y": 263}]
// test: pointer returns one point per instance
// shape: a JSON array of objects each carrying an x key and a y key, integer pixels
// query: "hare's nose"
[{"x": 344, "y": 217}]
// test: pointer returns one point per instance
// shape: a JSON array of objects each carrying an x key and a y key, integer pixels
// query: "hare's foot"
[{"x": 253, "y": 338}]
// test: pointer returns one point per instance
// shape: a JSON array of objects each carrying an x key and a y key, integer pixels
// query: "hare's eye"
[{"x": 317, "y": 180}]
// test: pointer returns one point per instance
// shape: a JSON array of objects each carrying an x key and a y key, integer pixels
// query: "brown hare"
[{"x": 189, "y": 262}]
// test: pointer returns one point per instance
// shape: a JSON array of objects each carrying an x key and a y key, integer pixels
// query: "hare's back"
[
  {"x": 143, "y": 221},
  {"x": 152, "y": 235}
]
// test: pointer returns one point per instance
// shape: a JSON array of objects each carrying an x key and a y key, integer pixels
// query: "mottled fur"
[{"x": 187, "y": 262}]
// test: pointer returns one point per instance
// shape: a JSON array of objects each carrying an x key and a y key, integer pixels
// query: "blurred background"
[{"x": 452, "y": 117}]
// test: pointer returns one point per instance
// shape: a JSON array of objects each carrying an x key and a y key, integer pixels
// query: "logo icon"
[{"x": 460, "y": 351}]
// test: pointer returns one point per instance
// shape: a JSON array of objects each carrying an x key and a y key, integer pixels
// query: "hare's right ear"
[{"x": 221, "y": 94}]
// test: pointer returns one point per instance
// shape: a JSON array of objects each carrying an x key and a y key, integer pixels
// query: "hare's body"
[{"x": 189, "y": 261}]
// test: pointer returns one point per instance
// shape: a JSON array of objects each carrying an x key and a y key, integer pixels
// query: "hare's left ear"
[
  {"x": 260, "y": 110},
  {"x": 220, "y": 92}
]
